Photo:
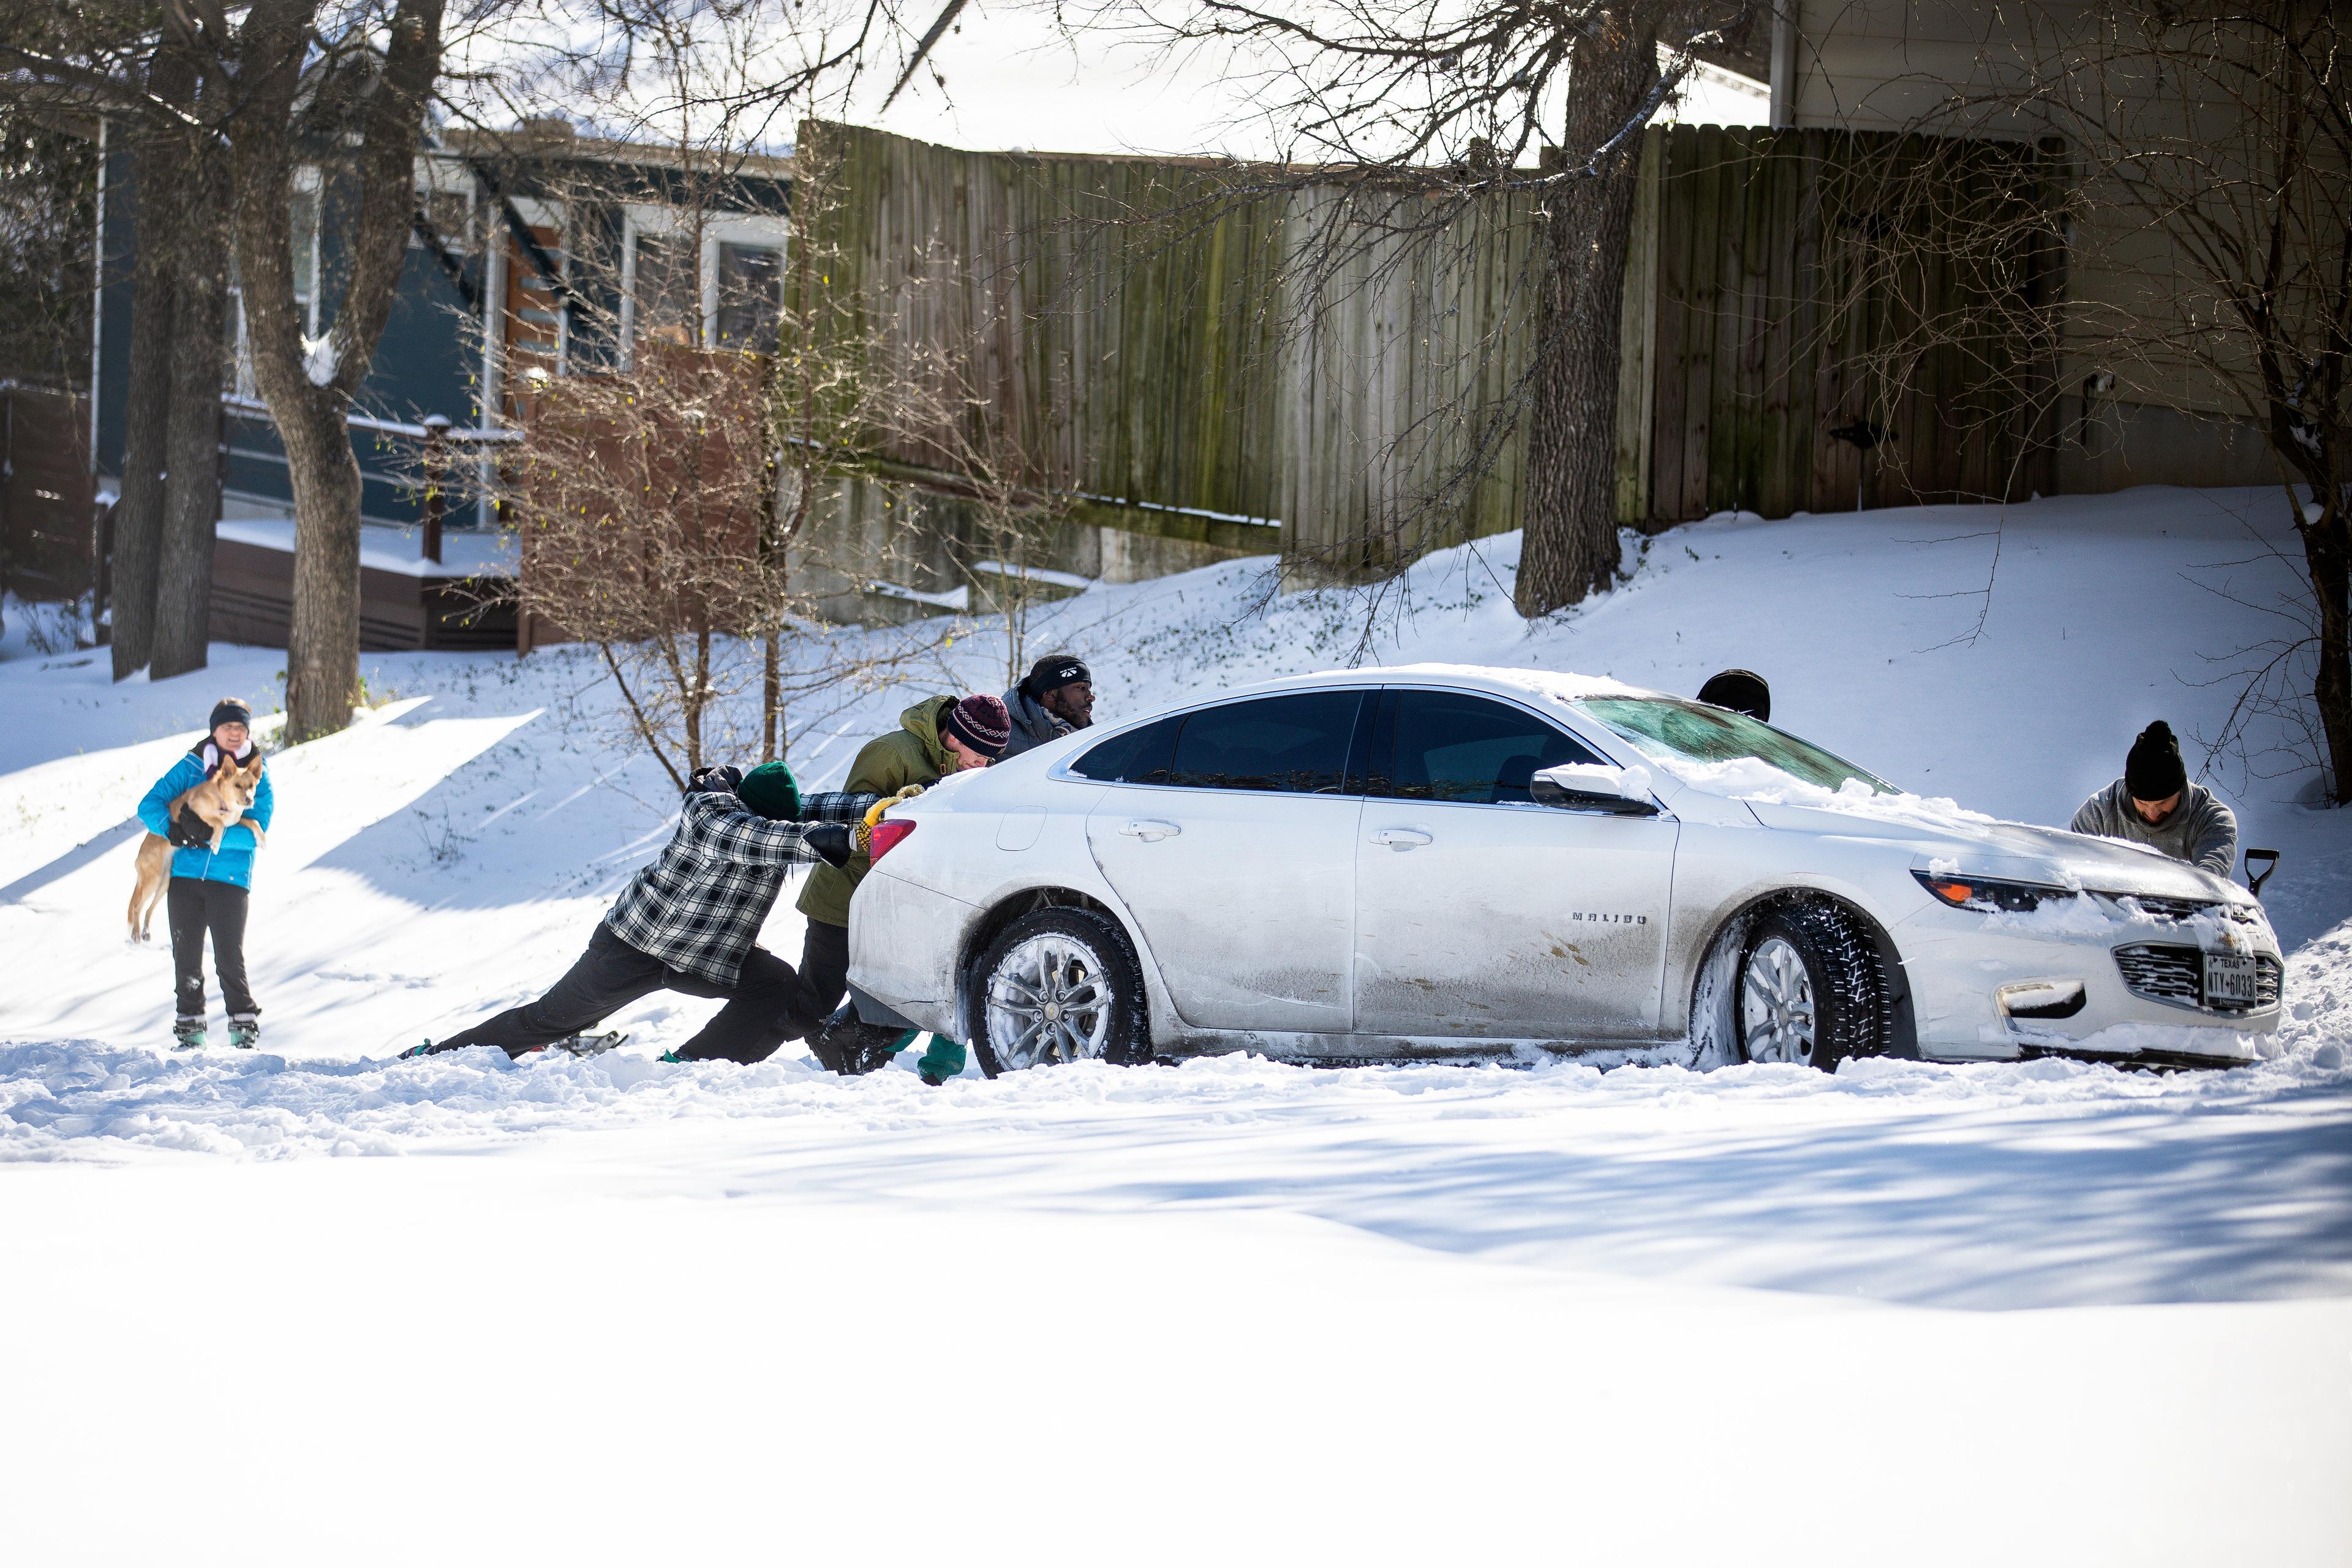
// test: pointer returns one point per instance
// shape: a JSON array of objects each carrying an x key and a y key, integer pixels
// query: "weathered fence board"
[{"x": 1139, "y": 332}]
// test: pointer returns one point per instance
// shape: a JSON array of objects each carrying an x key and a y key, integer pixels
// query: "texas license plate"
[{"x": 2230, "y": 980}]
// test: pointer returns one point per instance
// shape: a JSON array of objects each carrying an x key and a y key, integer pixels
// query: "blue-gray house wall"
[
  {"x": 427, "y": 363},
  {"x": 430, "y": 359}
]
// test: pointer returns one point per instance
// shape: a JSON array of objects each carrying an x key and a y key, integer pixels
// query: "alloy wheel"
[
  {"x": 1049, "y": 1000},
  {"x": 1777, "y": 1014}
]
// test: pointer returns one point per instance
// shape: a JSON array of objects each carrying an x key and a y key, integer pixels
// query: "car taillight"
[{"x": 886, "y": 835}]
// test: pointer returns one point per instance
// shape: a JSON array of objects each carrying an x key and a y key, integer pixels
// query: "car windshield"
[{"x": 1669, "y": 729}]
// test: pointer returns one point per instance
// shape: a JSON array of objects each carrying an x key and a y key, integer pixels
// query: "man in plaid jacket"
[{"x": 690, "y": 922}]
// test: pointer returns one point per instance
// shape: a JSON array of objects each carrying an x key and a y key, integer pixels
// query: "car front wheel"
[
  {"x": 1059, "y": 985},
  {"x": 1812, "y": 989}
]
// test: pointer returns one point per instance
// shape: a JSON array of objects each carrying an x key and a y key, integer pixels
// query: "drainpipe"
[{"x": 1785, "y": 24}]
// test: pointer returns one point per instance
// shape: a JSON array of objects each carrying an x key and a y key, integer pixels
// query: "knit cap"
[
  {"x": 981, "y": 723},
  {"x": 2154, "y": 770},
  {"x": 771, "y": 790},
  {"x": 1055, "y": 671},
  {"x": 1741, "y": 690}
]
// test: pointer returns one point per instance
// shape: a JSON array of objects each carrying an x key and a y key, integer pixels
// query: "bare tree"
[
  {"x": 640, "y": 502},
  {"x": 2195, "y": 172},
  {"x": 669, "y": 483},
  {"x": 249, "y": 95}
]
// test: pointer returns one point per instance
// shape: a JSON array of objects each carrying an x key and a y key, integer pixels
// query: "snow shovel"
[{"x": 2254, "y": 879}]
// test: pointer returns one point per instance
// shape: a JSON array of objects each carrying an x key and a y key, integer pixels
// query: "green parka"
[{"x": 911, "y": 754}]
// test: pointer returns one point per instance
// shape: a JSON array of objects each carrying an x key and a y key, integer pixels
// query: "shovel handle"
[{"x": 2254, "y": 879}]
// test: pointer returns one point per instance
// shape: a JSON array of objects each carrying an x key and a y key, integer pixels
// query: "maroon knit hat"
[{"x": 981, "y": 723}]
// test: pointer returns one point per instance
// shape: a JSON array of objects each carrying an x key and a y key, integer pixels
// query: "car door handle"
[
  {"x": 1401, "y": 837},
  {"x": 1149, "y": 830}
]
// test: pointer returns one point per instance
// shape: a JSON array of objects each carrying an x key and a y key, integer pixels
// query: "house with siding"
[{"x": 534, "y": 252}]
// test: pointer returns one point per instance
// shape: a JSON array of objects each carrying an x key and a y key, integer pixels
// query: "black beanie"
[
  {"x": 1055, "y": 671},
  {"x": 1741, "y": 690},
  {"x": 2154, "y": 771},
  {"x": 230, "y": 710}
]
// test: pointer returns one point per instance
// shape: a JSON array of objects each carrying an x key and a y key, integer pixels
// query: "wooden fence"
[
  {"x": 47, "y": 513},
  {"x": 1774, "y": 305},
  {"x": 1142, "y": 334}
]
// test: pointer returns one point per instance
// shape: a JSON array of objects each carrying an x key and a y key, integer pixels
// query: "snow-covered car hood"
[{"x": 1963, "y": 843}]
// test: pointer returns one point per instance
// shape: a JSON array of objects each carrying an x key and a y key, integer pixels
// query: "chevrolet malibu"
[{"x": 1439, "y": 861}]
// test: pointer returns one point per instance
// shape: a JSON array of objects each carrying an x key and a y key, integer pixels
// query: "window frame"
[
  {"x": 1383, "y": 745},
  {"x": 1358, "y": 737},
  {"x": 761, "y": 230}
]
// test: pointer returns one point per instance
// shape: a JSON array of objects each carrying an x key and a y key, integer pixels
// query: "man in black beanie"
[
  {"x": 2154, "y": 803},
  {"x": 1055, "y": 698}
]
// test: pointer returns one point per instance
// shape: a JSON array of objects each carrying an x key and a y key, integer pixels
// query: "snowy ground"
[{"x": 1904, "y": 1313}]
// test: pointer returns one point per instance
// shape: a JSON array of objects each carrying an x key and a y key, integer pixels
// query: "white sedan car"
[{"x": 1453, "y": 861}]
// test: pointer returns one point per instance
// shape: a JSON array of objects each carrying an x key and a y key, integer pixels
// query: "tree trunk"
[
  {"x": 322, "y": 646},
  {"x": 162, "y": 160},
  {"x": 310, "y": 392},
  {"x": 183, "y": 568},
  {"x": 139, "y": 516},
  {"x": 1571, "y": 544},
  {"x": 2327, "y": 550}
]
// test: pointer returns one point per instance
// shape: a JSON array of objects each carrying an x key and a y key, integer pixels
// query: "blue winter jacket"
[{"x": 234, "y": 861}]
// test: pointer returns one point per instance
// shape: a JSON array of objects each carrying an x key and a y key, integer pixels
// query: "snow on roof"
[
  {"x": 1561, "y": 686},
  {"x": 464, "y": 553}
]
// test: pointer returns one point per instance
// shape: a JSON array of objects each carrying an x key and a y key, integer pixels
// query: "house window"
[
  {"x": 668, "y": 303},
  {"x": 751, "y": 289},
  {"x": 451, "y": 214}
]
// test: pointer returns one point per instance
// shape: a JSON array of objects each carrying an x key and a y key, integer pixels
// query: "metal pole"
[{"x": 437, "y": 470}]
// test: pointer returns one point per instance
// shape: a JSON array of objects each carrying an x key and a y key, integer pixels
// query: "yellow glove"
[
  {"x": 862, "y": 836},
  {"x": 874, "y": 813}
]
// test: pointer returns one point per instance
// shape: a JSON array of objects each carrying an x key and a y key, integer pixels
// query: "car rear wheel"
[
  {"x": 1059, "y": 985},
  {"x": 1812, "y": 989}
]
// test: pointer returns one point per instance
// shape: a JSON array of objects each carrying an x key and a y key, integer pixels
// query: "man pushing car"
[
  {"x": 690, "y": 922},
  {"x": 2154, "y": 803},
  {"x": 937, "y": 736}
]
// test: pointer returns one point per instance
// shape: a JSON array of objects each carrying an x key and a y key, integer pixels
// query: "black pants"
[
  {"x": 766, "y": 1006},
  {"x": 195, "y": 907},
  {"x": 824, "y": 965}
]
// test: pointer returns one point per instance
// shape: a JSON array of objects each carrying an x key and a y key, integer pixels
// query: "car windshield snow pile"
[{"x": 1693, "y": 731}]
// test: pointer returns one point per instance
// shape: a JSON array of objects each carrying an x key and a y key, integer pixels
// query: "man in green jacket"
[{"x": 937, "y": 736}]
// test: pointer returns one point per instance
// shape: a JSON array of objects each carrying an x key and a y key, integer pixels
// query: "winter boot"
[
  {"x": 244, "y": 1031},
  {"x": 188, "y": 1034},
  {"x": 884, "y": 1044},
  {"x": 827, "y": 1041},
  {"x": 588, "y": 1045}
]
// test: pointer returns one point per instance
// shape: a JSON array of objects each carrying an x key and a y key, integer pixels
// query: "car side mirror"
[{"x": 1594, "y": 787}]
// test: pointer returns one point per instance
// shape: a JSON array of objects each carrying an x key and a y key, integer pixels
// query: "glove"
[
  {"x": 830, "y": 842},
  {"x": 190, "y": 831},
  {"x": 715, "y": 781},
  {"x": 874, "y": 813}
]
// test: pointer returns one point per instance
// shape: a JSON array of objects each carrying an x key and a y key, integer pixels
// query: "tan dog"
[{"x": 219, "y": 800}]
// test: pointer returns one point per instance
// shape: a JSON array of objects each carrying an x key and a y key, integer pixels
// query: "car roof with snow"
[{"x": 1559, "y": 686}]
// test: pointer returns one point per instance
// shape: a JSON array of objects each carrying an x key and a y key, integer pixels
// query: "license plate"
[{"x": 2230, "y": 980}]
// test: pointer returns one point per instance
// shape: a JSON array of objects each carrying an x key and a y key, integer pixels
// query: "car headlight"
[{"x": 1987, "y": 895}]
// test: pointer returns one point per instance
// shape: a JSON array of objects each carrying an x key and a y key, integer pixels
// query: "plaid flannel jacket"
[{"x": 699, "y": 907}]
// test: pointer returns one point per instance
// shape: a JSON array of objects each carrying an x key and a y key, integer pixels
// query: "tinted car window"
[
  {"x": 1294, "y": 744},
  {"x": 1449, "y": 745},
  {"x": 1137, "y": 756}
]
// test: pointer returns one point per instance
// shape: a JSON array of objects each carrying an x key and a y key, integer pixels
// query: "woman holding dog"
[{"x": 209, "y": 884}]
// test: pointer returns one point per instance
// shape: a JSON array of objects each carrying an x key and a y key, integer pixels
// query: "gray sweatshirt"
[
  {"x": 1031, "y": 725},
  {"x": 2200, "y": 830}
]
